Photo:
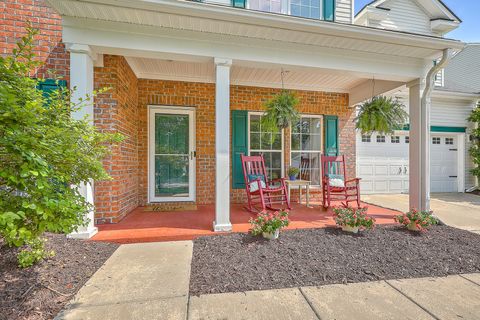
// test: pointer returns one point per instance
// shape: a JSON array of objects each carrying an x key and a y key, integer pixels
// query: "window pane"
[
  {"x": 295, "y": 141},
  {"x": 266, "y": 141},
  {"x": 254, "y": 123},
  {"x": 254, "y": 141}
]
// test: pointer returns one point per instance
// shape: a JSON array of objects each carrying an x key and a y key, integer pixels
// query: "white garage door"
[{"x": 382, "y": 163}]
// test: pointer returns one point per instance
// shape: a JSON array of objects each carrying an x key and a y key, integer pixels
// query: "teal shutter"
[
  {"x": 238, "y": 3},
  {"x": 239, "y": 146},
  {"x": 331, "y": 135},
  {"x": 50, "y": 85},
  {"x": 329, "y": 10}
]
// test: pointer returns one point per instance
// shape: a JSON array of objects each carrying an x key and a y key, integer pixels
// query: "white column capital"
[
  {"x": 81, "y": 48},
  {"x": 417, "y": 82},
  {"x": 224, "y": 62}
]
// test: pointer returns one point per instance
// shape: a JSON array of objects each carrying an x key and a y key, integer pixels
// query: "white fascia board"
[
  {"x": 150, "y": 42},
  {"x": 279, "y": 21}
]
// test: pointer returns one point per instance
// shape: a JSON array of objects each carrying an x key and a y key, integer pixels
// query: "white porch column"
[
  {"x": 415, "y": 146},
  {"x": 222, "y": 145},
  {"x": 419, "y": 156},
  {"x": 81, "y": 80}
]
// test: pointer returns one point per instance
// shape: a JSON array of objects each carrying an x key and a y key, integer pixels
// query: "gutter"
[{"x": 425, "y": 131}]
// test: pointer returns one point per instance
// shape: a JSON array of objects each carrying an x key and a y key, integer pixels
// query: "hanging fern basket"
[
  {"x": 381, "y": 114},
  {"x": 281, "y": 111}
]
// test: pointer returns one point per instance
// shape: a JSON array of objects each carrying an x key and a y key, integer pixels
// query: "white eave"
[
  {"x": 443, "y": 26},
  {"x": 217, "y": 19}
]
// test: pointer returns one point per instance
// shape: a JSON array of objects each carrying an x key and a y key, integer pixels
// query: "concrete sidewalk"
[
  {"x": 460, "y": 210},
  {"x": 151, "y": 280}
]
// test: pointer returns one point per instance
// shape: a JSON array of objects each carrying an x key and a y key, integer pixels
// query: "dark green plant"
[
  {"x": 293, "y": 171},
  {"x": 44, "y": 153},
  {"x": 281, "y": 112},
  {"x": 475, "y": 148},
  {"x": 381, "y": 114}
]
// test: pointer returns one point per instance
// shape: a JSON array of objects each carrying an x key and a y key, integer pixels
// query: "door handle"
[
  {"x": 193, "y": 154},
  {"x": 399, "y": 170},
  {"x": 404, "y": 170}
]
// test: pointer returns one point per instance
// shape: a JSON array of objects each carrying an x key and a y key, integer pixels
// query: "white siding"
[
  {"x": 463, "y": 72},
  {"x": 404, "y": 15},
  {"x": 343, "y": 11}
]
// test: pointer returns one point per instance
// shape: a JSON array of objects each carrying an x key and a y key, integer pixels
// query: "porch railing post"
[
  {"x": 81, "y": 81},
  {"x": 222, "y": 145}
]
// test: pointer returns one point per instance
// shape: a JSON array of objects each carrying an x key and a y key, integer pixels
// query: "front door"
[{"x": 171, "y": 154}]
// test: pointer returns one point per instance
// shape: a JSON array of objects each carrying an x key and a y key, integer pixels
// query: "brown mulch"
[
  {"x": 313, "y": 257},
  {"x": 41, "y": 291}
]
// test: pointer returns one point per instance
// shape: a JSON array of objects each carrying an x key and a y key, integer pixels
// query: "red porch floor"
[{"x": 143, "y": 226}]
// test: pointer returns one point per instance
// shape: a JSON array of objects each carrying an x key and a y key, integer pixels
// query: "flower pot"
[
  {"x": 293, "y": 178},
  {"x": 350, "y": 229},
  {"x": 412, "y": 227},
  {"x": 271, "y": 235}
]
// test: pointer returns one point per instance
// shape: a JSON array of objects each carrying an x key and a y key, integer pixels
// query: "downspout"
[{"x": 425, "y": 134}]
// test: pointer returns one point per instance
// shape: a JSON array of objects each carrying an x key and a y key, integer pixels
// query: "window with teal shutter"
[
  {"x": 239, "y": 146},
  {"x": 47, "y": 86},
  {"x": 331, "y": 135},
  {"x": 238, "y": 3},
  {"x": 329, "y": 10}
]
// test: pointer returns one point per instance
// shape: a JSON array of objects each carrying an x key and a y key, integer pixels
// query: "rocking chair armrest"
[
  {"x": 276, "y": 180},
  {"x": 356, "y": 180}
]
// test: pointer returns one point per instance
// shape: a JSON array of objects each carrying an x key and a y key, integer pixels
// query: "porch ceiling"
[{"x": 242, "y": 74}]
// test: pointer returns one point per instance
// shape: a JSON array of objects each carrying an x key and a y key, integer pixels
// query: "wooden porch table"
[{"x": 299, "y": 184}]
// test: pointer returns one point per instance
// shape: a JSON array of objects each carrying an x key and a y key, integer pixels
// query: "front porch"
[{"x": 152, "y": 226}]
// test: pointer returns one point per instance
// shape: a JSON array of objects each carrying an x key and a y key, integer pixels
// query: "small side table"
[{"x": 299, "y": 184}]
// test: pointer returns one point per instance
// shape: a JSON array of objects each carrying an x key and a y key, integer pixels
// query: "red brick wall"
[
  {"x": 14, "y": 15},
  {"x": 117, "y": 111},
  {"x": 202, "y": 96}
]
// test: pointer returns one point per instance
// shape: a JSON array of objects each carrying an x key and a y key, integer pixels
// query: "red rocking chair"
[
  {"x": 261, "y": 191},
  {"x": 335, "y": 185}
]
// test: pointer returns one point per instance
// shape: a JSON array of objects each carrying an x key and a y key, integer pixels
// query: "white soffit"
[
  {"x": 295, "y": 78},
  {"x": 190, "y": 16}
]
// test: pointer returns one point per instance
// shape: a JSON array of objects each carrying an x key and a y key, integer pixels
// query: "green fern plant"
[
  {"x": 381, "y": 114},
  {"x": 475, "y": 148},
  {"x": 281, "y": 112}
]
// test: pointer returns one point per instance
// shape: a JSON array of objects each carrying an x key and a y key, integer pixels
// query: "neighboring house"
[
  {"x": 383, "y": 162},
  {"x": 189, "y": 81}
]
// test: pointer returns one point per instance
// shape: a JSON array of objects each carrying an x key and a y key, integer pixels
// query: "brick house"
[{"x": 189, "y": 81}]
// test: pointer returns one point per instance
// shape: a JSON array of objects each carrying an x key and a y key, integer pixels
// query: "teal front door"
[{"x": 171, "y": 154}]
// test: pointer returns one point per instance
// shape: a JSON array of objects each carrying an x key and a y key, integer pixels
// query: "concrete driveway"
[{"x": 461, "y": 210}]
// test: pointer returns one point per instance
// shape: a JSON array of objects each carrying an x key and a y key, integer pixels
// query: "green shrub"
[{"x": 44, "y": 153}]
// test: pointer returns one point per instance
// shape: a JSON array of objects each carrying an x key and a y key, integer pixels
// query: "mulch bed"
[
  {"x": 313, "y": 257},
  {"x": 41, "y": 291}
]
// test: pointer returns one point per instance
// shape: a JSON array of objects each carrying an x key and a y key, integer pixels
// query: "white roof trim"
[{"x": 250, "y": 17}]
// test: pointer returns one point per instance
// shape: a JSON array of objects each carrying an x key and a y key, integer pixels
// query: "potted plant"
[
  {"x": 292, "y": 173},
  {"x": 353, "y": 219},
  {"x": 281, "y": 111},
  {"x": 268, "y": 224},
  {"x": 381, "y": 114},
  {"x": 416, "y": 220}
]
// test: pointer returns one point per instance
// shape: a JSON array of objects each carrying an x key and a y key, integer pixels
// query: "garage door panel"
[
  {"x": 396, "y": 186},
  {"x": 365, "y": 170},
  {"x": 381, "y": 169},
  {"x": 366, "y": 186}
]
